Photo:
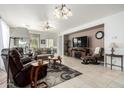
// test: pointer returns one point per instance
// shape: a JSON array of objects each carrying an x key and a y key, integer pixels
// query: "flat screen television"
[{"x": 80, "y": 41}]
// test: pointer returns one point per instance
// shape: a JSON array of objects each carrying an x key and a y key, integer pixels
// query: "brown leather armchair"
[{"x": 20, "y": 73}]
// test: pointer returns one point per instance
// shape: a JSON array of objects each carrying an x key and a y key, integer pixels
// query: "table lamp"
[{"x": 113, "y": 45}]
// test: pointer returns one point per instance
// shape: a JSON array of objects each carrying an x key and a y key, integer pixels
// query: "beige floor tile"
[
  {"x": 94, "y": 76},
  {"x": 115, "y": 84}
]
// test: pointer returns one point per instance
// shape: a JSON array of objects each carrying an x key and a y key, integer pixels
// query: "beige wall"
[{"x": 93, "y": 42}]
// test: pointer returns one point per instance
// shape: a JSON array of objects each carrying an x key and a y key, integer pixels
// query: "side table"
[
  {"x": 34, "y": 74},
  {"x": 114, "y": 55}
]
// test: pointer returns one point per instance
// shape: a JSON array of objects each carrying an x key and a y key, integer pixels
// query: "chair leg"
[
  {"x": 96, "y": 60},
  {"x": 60, "y": 63},
  {"x": 85, "y": 61}
]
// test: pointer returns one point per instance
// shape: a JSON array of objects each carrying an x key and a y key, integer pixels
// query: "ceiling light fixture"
[
  {"x": 62, "y": 12},
  {"x": 47, "y": 26}
]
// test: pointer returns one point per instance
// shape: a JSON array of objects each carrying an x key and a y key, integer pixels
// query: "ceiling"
[{"x": 32, "y": 16}]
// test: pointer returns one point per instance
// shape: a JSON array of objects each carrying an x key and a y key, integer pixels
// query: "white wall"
[
  {"x": 60, "y": 45},
  {"x": 4, "y": 39},
  {"x": 19, "y": 32},
  {"x": 114, "y": 31}
]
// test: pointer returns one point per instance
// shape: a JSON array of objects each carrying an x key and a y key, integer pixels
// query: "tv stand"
[{"x": 78, "y": 52}]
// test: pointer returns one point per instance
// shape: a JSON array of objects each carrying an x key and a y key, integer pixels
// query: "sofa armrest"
[
  {"x": 25, "y": 60},
  {"x": 22, "y": 78}
]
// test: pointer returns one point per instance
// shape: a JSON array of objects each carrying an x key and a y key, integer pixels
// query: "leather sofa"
[
  {"x": 19, "y": 72},
  {"x": 39, "y": 51},
  {"x": 25, "y": 58},
  {"x": 44, "y": 53},
  {"x": 21, "y": 51}
]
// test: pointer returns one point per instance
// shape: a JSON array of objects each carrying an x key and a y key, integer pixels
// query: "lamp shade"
[{"x": 113, "y": 45}]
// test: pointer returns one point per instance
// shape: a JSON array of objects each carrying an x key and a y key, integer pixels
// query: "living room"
[{"x": 63, "y": 48}]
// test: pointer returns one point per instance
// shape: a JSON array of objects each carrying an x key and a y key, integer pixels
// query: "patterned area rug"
[{"x": 58, "y": 75}]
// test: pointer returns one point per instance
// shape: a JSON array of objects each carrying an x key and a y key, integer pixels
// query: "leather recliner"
[
  {"x": 20, "y": 73},
  {"x": 25, "y": 58}
]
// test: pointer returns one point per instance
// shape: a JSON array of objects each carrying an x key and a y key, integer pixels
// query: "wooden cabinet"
[{"x": 78, "y": 52}]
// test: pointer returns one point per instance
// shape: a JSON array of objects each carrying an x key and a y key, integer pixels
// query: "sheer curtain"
[
  {"x": 4, "y": 39},
  {"x": 34, "y": 41}
]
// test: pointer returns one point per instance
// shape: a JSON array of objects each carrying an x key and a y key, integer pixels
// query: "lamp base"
[{"x": 112, "y": 51}]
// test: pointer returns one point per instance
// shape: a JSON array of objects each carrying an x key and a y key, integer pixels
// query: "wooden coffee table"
[
  {"x": 36, "y": 65},
  {"x": 54, "y": 59}
]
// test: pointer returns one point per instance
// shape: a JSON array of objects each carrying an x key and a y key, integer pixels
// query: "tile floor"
[{"x": 94, "y": 76}]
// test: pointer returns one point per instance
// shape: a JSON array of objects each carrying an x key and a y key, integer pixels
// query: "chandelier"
[
  {"x": 62, "y": 12},
  {"x": 47, "y": 26}
]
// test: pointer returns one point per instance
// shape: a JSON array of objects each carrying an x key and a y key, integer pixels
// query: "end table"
[{"x": 34, "y": 74}]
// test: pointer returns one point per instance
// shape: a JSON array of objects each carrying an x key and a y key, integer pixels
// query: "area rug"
[{"x": 57, "y": 75}]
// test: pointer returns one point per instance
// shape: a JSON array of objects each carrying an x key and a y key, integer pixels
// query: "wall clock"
[{"x": 99, "y": 34}]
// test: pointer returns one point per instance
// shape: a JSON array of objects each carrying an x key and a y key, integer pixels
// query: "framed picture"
[{"x": 43, "y": 41}]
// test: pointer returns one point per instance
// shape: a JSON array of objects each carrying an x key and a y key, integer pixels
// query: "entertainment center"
[
  {"x": 78, "y": 52},
  {"x": 80, "y": 47},
  {"x": 83, "y": 42}
]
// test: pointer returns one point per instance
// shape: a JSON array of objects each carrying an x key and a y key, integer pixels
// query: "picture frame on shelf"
[{"x": 43, "y": 41}]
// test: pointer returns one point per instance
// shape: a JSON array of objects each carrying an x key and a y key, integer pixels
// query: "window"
[
  {"x": 34, "y": 43},
  {"x": 34, "y": 40},
  {"x": 49, "y": 43}
]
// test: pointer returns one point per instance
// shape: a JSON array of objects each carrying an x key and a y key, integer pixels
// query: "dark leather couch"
[
  {"x": 44, "y": 53},
  {"x": 25, "y": 58},
  {"x": 20, "y": 73}
]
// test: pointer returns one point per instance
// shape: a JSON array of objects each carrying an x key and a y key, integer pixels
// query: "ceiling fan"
[{"x": 47, "y": 26}]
